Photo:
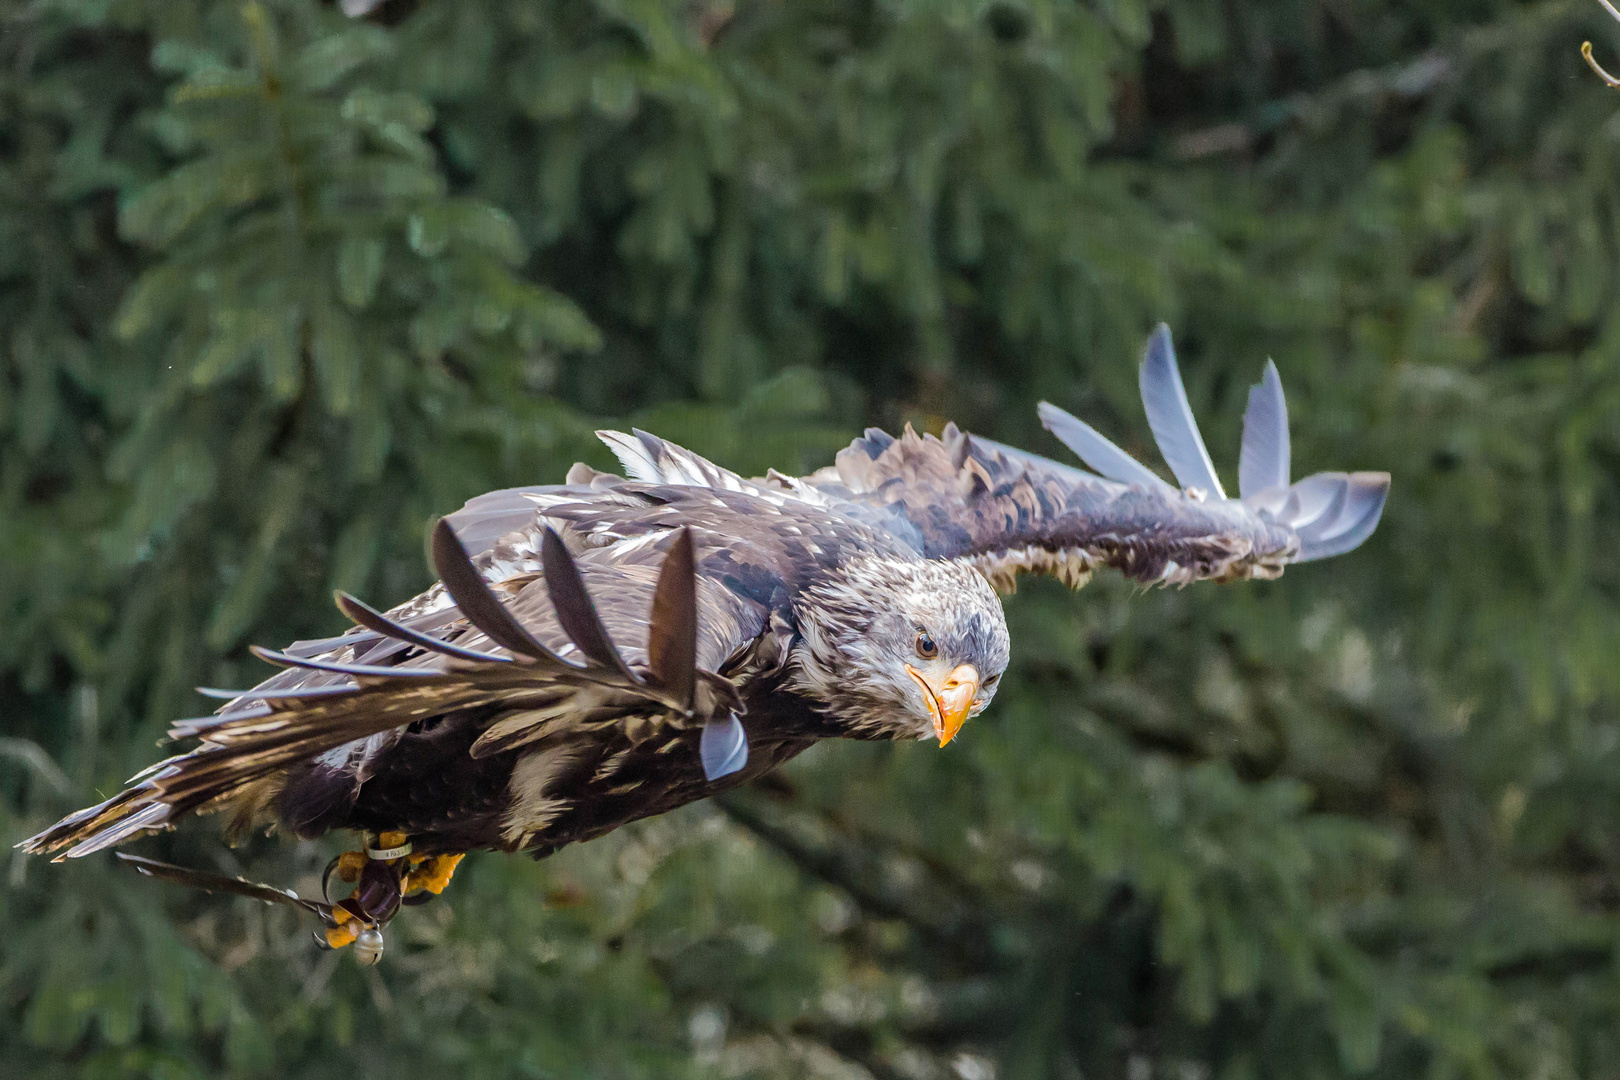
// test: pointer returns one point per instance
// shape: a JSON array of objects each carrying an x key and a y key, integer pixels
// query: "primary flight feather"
[{"x": 614, "y": 647}]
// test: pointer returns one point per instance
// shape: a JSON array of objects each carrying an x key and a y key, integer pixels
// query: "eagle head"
[{"x": 901, "y": 648}]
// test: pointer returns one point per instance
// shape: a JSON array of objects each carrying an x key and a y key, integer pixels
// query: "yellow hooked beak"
[{"x": 949, "y": 703}]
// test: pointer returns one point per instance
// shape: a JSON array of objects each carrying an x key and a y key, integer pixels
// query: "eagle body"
[
  {"x": 757, "y": 562},
  {"x": 754, "y": 560},
  {"x": 614, "y": 647}
]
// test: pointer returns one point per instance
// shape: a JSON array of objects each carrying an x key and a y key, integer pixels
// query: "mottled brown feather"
[
  {"x": 477, "y": 603},
  {"x": 672, "y": 633},
  {"x": 575, "y": 611}
]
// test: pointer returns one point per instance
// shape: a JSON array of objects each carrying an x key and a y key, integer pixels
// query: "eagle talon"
[{"x": 344, "y": 926}]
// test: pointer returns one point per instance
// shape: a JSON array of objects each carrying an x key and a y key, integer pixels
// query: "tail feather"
[
  {"x": 122, "y": 817},
  {"x": 255, "y": 743}
]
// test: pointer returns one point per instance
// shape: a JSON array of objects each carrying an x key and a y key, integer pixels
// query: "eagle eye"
[{"x": 926, "y": 647}]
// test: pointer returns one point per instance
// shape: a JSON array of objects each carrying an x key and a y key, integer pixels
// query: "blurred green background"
[{"x": 277, "y": 284}]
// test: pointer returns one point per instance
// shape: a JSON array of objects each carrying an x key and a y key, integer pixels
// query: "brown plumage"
[{"x": 611, "y": 648}]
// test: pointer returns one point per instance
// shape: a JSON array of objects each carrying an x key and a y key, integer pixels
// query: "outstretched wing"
[
  {"x": 650, "y": 645},
  {"x": 962, "y": 497},
  {"x": 959, "y": 496}
]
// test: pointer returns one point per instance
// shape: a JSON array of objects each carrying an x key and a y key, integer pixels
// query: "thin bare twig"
[{"x": 1586, "y": 49}]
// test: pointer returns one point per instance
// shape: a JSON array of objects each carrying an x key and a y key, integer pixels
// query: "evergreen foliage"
[{"x": 277, "y": 284}]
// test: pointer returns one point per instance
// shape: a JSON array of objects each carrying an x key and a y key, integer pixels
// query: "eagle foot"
[
  {"x": 386, "y": 874},
  {"x": 377, "y": 872},
  {"x": 428, "y": 875}
]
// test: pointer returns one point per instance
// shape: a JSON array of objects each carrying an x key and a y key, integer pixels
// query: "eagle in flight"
[{"x": 615, "y": 647}]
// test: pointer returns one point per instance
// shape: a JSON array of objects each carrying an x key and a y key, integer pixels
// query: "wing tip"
[
  {"x": 1357, "y": 517},
  {"x": 1160, "y": 348}
]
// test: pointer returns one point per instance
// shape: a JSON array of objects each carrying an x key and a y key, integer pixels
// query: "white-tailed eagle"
[{"x": 614, "y": 647}]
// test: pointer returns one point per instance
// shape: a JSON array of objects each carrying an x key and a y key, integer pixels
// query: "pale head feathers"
[{"x": 858, "y": 629}]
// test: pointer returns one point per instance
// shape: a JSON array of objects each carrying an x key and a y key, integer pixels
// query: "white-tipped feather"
[
  {"x": 638, "y": 463},
  {"x": 1071, "y": 566},
  {"x": 1332, "y": 512},
  {"x": 1171, "y": 418},
  {"x": 1100, "y": 455},
  {"x": 1366, "y": 497},
  {"x": 1358, "y": 515},
  {"x": 723, "y": 747},
  {"x": 486, "y": 518},
  {"x": 1264, "y": 461}
]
